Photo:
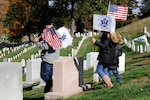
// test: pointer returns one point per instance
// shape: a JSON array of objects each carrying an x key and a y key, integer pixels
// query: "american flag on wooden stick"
[
  {"x": 119, "y": 12},
  {"x": 50, "y": 36}
]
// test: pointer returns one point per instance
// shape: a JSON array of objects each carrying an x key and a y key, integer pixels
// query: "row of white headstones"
[
  {"x": 5, "y": 51},
  {"x": 137, "y": 48},
  {"x": 26, "y": 48}
]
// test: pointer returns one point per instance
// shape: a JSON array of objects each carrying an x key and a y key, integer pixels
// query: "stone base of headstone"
[
  {"x": 65, "y": 79},
  {"x": 27, "y": 84},
  {"x": 42, "y": 84},
  {"x": 57, "y": 95}
]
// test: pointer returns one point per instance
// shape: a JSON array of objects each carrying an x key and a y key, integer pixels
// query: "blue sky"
[{"x": 137, "y": 10}]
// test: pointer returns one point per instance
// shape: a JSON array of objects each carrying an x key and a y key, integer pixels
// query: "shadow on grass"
[
  {"x": 41, "y": 98},
  {"x": 96, "y": 86},
  {"x": 146, "y": 56},
  {"x": 28, "y": 88}
]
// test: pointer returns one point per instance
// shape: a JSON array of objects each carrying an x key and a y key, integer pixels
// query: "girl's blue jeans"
[{"x": 102, "y": 70}]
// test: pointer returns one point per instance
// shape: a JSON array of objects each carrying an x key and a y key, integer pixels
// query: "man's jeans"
[
  {"x": 101, "y": 70},
  {"x": 117, "y": 75},
  {"x": 46, "y": 71}
]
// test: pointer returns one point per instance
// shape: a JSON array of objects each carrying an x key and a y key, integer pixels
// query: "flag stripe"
[
  {"x": 51, "y": 39},
  {"x": 119, "y": 12}
]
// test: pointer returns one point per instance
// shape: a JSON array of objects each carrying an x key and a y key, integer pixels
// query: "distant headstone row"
[
  {"x": 25, "y": 50},
  {"x": 8, "y": 50},
  {"x": 87, "y": 34},
  {"x": 137, "y": 48}
]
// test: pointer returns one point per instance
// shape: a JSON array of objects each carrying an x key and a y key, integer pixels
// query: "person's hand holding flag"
[{"x": 93, "y": 40}]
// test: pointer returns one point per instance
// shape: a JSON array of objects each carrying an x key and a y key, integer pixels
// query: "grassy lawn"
[{"x": 135, "y": 84}]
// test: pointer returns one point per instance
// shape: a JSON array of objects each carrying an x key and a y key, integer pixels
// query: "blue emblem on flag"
[
  {"x": 104, "y": 22},
  {"x": 63, "y": 37},
  {"x": 141, "y": 39}
]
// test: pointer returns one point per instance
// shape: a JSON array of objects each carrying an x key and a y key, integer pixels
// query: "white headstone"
[
  {"x": 121, "y": 68},
  {"x": 11, "y": 81},
  {"x": 148, "y": 48},
  {"x": 32, "y": 57},
  {"x": 141, "y": 49},
  {"x": 133, "y": 46},
  {"x": 33, "y": 68},
  {"x": 129, "y": 44},
  {"x": 9, "y": 60},
  {"x": 91, "y": 58},
  {"x": 95, "y": 76},
  {"x": 85, "y": 67}
]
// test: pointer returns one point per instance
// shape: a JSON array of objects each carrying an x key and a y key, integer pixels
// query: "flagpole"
[{"x": 108, "y": 7}]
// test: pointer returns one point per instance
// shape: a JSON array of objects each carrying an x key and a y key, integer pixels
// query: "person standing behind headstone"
[{"x": 50, "y": 43}]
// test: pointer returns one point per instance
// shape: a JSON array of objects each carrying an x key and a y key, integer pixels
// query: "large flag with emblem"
[
  {"x": 104, "y": 23},
  {"x": 119, "y": 12},
  {"x": 65, "y": 36}
]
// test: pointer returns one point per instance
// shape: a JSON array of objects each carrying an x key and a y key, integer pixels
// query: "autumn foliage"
[{"x": 4, "y": 6}]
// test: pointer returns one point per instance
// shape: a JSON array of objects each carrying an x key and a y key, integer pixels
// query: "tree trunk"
[
  {"x": 72, "y": 18},
  {"x": 72, "y": 27}
]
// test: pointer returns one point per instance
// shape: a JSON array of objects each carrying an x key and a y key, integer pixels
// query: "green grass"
[
  {"x": 87, "y": 47},
  {"x": 36, "y": 94},
  {"x": 135, "y": 84},
  {"x": 135, "y": 28}
]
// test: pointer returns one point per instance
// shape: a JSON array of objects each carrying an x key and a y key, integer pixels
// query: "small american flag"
[
  {"x": 119, "y": 12},
  {"x": 51, "y": 38}
]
